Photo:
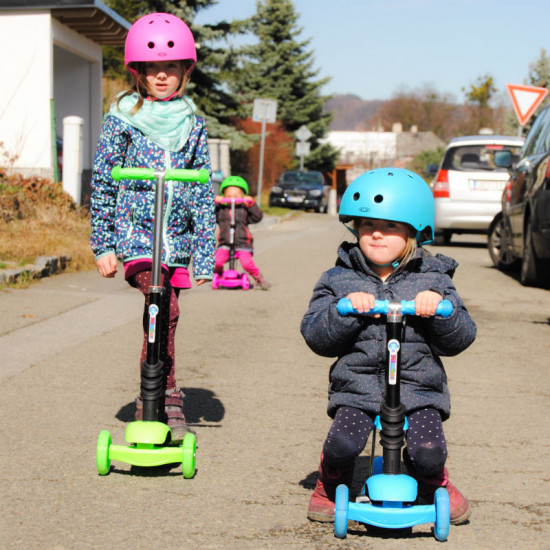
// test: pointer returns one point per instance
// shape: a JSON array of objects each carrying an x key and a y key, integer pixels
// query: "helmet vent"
[
  {"x": 378, "y": 198},
  {"x": 150, "y": 45},
  {"x": 356, "y": 196}
]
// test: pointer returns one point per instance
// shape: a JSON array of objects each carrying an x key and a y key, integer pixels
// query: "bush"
[{"x": 37, "y": 218}]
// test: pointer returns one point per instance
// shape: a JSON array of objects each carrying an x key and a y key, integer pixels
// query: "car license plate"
[
  {"x": 486, "y": 185},
  {"x": 295, "y": 199}
]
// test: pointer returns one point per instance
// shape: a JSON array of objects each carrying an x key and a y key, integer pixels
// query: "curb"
[{"x": 43, "y": 266}]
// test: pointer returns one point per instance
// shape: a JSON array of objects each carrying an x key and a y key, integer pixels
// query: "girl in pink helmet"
[{"x": 154, "y": 125}]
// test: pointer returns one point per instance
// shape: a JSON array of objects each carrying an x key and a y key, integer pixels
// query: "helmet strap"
[{"x": 352, "y": 231}]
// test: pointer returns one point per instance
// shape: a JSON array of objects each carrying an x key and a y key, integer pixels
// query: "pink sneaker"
[{"x": 321, "y": 503}]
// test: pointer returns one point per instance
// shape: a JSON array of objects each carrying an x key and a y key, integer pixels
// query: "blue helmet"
[{"x": 392, "y": 194}]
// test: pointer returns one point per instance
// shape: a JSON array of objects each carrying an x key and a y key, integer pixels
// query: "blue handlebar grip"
[
  {"x": 344, "y": 307},
  {"x": 444, "y": 308},
  {"x": 177, "y": 174}
]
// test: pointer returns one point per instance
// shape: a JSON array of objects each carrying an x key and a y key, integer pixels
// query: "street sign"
[
  {"x": 302, "y": 148},
  {"x": 525, "y": 100},
  {"x": 264, "y": 110},
  {"x": 303, "y": 133}
]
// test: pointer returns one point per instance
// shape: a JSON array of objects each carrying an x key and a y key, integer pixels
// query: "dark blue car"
[{"x": 300, "y": 189}]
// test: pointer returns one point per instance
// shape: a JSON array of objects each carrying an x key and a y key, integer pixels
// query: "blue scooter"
[{"x": 391, "y": 494}]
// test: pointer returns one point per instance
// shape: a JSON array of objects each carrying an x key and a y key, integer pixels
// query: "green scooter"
[{"x": 149, "y": 438}]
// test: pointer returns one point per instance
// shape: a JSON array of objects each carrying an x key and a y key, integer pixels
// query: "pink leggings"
[
  {"x": 168, "y": 322},
  {"x": 245, "y": 257}
]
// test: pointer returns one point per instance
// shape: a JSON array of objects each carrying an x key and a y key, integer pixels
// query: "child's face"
[
  {"x": 382, "y": 241},
  {"x": 233, "y": 193},
  {"x": 163, "y": 77}
]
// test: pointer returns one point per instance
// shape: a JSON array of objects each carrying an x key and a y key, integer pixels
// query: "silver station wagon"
[{"x": 468, "y": 185}]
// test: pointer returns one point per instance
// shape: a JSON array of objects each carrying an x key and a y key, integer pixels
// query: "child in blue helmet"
[
  {"x": 246, "y": 212},
  {"x": 391, "y": 212}
]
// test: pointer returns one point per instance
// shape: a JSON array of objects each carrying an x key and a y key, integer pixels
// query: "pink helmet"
[{"x": 159, "y": 37}]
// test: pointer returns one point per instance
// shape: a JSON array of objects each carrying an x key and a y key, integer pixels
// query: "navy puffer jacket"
[{"x": 357, "y": 376}]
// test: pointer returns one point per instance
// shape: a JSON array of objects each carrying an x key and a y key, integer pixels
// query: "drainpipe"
[{"x": 54, "y": 141}]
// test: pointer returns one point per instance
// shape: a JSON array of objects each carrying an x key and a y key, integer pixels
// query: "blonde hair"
[{"x": 140, "y": 83}]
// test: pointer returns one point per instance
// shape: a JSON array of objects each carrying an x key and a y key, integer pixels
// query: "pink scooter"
[{"x": 231, "y": 278}]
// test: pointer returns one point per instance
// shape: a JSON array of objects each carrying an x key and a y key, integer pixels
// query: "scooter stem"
[
  {"x": 392, "y": 411},
  {"x": 151, "y": 368}
]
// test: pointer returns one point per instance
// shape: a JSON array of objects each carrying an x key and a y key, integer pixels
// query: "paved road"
[{"x": 69, "y": 347}]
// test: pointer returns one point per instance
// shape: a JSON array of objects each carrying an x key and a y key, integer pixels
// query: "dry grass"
[{"x": 37, "y": 218}]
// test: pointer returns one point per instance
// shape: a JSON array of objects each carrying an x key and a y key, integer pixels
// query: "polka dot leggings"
[
  {"x": 350, "y": 430},
  {"x": 168, "y": 322}
]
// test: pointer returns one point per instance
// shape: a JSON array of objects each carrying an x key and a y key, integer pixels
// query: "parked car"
[
  {"x": 468, "y": 184},
  {"x": 520, "y": 233},
  {"x": 300, "y": 189}
]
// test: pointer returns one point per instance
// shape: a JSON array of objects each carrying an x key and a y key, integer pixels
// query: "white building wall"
[
  {"x": 47, "y": 62},
  {"x": 26, "y": 90},
  {"x": 364, "y": 150},
  {"x": 370, "y": 147}
]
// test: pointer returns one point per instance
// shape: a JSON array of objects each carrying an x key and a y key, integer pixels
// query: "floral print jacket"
[{"x": 122, "y": 212}]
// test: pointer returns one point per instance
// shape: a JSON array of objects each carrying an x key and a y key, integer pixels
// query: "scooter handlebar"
[
  {"x": 229, "y": 201},
  {"x": 177, "y": 174},
  {"x": 344, "y": 307}
]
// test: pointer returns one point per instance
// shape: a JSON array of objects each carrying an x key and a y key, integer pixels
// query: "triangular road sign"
[{"x": 525, "y": 100}]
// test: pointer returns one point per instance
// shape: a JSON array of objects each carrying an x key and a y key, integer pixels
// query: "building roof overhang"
[{"x": 92, "y": 18}]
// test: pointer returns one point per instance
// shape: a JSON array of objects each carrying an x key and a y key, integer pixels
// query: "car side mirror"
[
  {"x": 432, "y": 169},
  {"x": 503, "y": 159}
]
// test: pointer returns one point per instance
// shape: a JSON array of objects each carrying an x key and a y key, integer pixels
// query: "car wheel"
[
  {"x": 499, "y": 244},
  {"x": 532, "y": 270},
  {"x": 443, "y": 237}
]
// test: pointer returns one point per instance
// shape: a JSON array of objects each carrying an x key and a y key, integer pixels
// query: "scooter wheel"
[
  {"x": 215, "y": 281},
  {"x": 341, "y": 506},
  {"x": 189, "y": 449},
  {"x": 245, "y": 281},
  {"x": 442, "y": 514},
  {"x": 103, "y": 461}
]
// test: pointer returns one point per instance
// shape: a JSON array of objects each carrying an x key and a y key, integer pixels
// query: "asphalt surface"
[{"x": 256, "y": 396}]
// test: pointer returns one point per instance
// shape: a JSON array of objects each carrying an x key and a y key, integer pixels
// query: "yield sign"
[{"x": 525, "y": 100}]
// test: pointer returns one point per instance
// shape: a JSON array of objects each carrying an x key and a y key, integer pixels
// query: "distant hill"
[{"x": 352, "y": 113}]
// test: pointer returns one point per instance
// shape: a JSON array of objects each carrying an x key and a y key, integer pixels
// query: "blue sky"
[{"x": 375, "y": 48}]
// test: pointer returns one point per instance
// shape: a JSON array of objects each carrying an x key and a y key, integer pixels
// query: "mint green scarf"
[{"x": 166, "y": 123}]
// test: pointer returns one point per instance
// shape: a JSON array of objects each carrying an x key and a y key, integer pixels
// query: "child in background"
[
  {"x": 392, "y": 215},
  {"x": 154, "y": 125},
  {"x": 235, "y": 187}
]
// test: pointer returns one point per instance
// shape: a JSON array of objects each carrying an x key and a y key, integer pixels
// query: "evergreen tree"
[
  {"x": 280, "y": 67},
  {"x": 214, "y": 103},
  {"x": 539, "y": 74}
]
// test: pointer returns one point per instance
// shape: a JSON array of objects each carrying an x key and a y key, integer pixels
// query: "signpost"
[
  {"x": 525, "y": 100},
  {"x": 264, "y": 110},
  {"x": 302, "y": 147}
]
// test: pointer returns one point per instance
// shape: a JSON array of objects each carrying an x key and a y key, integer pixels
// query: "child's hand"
[
  {"x": 106, "y": 265},
  {"x": 426, "y": 303},
  {"x": 248, "y": 201},
  {"x": 362, "y": 302},
  {"x": 218, "y": 199}
]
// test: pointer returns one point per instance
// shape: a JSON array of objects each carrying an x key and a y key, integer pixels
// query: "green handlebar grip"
[{"x": 178, "y": 174}]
